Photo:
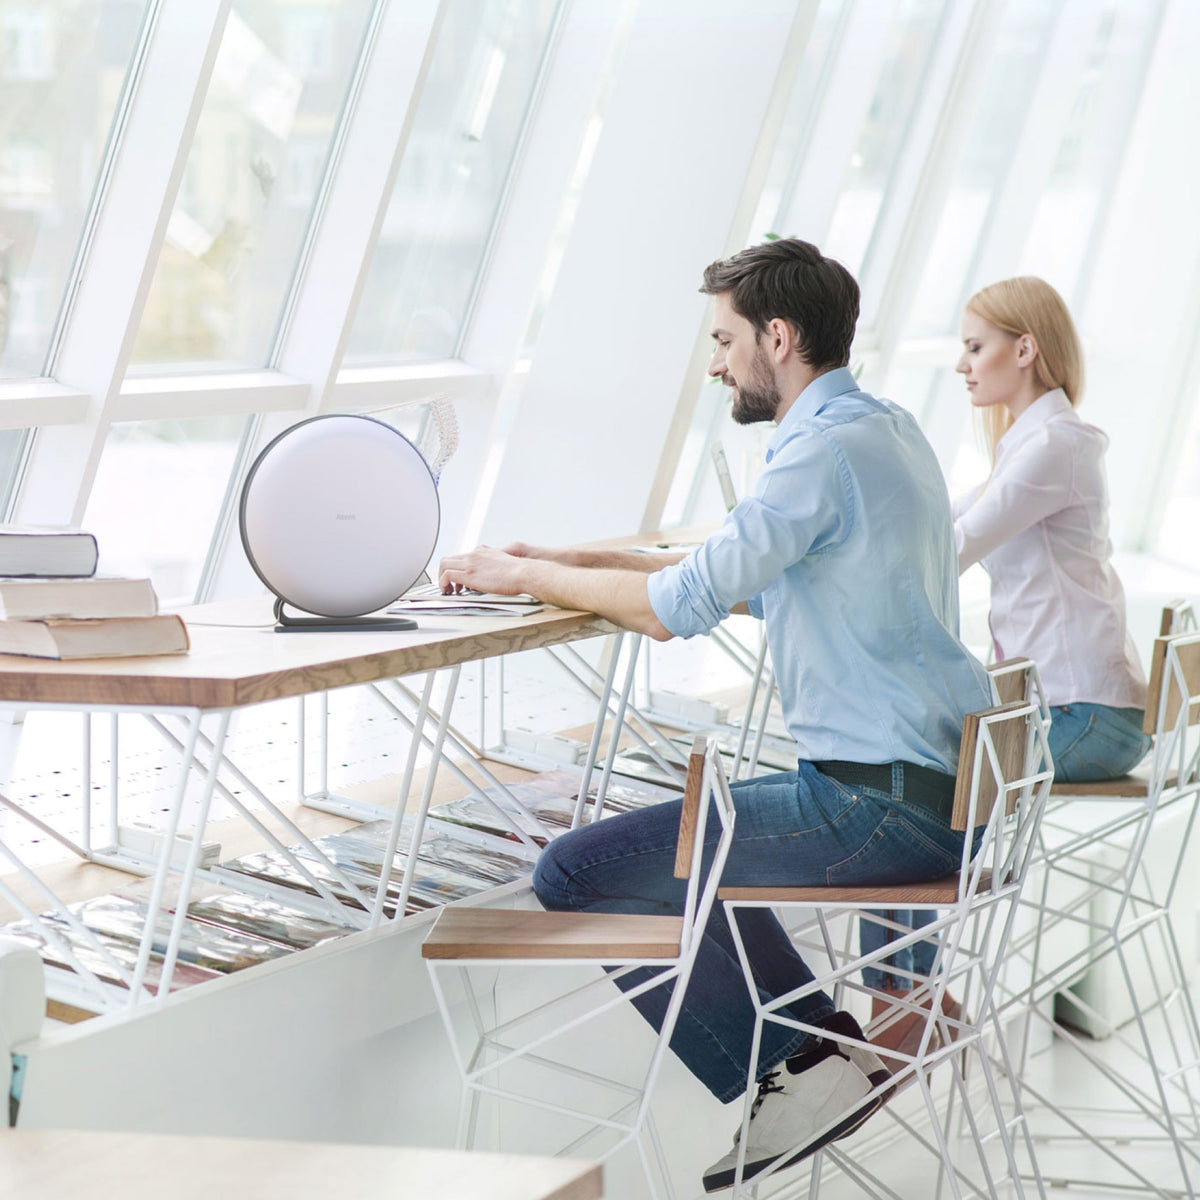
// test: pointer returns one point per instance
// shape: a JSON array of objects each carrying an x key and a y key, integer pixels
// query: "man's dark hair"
[{"x": 793, "y": 281}]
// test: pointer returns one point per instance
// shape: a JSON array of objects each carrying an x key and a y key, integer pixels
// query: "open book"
[{"x": 429, "y": 598}]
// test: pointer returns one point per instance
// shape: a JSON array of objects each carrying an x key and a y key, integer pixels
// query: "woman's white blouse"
[{"x": 1039, "y": 526}]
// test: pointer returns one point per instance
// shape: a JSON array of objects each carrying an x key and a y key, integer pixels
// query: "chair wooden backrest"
[
  {"x": 1175, "y": 662},
  {"x": 689, "y": 816},
  {"x": 1178, "y": 616},
  {"x": 1012, "y": 679},
  {"x": 1008, "y": 737}
]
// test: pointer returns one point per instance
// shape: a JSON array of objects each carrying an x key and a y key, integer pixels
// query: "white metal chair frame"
[
  {"x": 1140, "y": 910},
  {"x": 975, "y": 911},
  {"x": 527, "y": 940}
]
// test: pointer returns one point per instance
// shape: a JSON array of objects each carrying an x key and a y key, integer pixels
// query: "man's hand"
[
  {"x": 620, "y": 595},
  {"x": 483, "y": 570}
]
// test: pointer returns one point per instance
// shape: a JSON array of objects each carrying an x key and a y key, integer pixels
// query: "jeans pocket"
[
  {"x": 1108, "y": 744},
  {"x": 899, "y": 851}
]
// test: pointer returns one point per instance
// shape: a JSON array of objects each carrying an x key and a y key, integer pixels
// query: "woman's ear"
[{"x": 1027, "y": 350}]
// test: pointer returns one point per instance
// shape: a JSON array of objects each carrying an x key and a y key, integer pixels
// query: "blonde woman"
[{"x": 1039, "y": 526}]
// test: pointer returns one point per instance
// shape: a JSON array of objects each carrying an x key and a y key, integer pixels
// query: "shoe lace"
[{"x": 766, "y": 1085}]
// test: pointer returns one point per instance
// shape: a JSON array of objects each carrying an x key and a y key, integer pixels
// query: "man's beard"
[{"x": 758, "y": 398}]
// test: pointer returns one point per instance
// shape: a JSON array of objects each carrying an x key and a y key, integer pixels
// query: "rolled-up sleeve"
[{"x": 803, "y": 503}]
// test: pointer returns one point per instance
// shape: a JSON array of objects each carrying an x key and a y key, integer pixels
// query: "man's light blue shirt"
[{"x": 846, "y": 550}]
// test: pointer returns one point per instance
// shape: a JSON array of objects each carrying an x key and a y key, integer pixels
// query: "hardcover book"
[
  {"x": 31, "y": 550},
  {"x": 32, "y": 599},
  {"x": 114, "y": 637}
]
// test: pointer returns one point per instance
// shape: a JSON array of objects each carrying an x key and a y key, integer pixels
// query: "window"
[
  {"x": 987, "y": 152},
  {"x": 244, "y": 206},
  {"x": 1069, "y": 212},
  {"x": 62, "y": 66},
  {"x": 157, "y": 496},
  {"x": 451, "y": 180}
]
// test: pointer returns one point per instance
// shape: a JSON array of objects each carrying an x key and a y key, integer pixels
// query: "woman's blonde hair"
[{"x": 1027, "y": 304}]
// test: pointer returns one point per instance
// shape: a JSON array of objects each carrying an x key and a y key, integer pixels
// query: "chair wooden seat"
[
  {"x": 933, "y": 891},
  {"x": 483, "y": 933},
  {"x": 1129, "y": 786}
]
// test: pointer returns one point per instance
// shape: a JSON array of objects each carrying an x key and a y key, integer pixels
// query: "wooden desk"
[
  {"x": 49, "y": 1165},
  {"x": 237, "y": 659}
]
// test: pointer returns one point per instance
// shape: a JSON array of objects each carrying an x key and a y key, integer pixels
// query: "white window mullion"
[
  {"x": 681, "y": 128},
  {"x": 1046, "y": 117},
  {"x": 855, "y": 61},
  {"x": 126, "y": 238},
  {"x": 740, "y": 232},
  {"x": 556, "y": 138}
]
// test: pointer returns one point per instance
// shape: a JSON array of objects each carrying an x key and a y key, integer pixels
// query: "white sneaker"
[{"x": 798, "y": 1113}]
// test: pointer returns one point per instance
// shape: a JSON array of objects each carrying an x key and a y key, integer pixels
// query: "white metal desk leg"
[
  {"x": 748, "y": 717},
  {"x": 164, "y": 861},
  {"x": 618, "y": 724},
  {"x": 85, "y": 786},
  {"x": 193, "y": 859},
  {"x": 597, "y": 731},
  {"x": 389, "y": 854},
  {"x": 418, "y": 831}
]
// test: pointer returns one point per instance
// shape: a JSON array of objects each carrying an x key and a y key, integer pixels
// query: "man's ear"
[{"x": 781, "y": 340}]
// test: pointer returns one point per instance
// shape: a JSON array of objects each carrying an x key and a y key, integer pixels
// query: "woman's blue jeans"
[
  {"x": 1088, "y": 743},
  {"x": 794, "y": 829},
  {"x": 1091, "y": 742}
]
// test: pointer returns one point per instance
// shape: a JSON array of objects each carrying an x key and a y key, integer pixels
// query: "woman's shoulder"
[{"x": 1067, "y": 433}]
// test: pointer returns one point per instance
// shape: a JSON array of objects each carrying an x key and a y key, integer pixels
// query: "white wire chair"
[
  {"x": 540, "y": 1036},
  {"x": 1003, "y": 781},
  {"x": 1102, "y": 898}
]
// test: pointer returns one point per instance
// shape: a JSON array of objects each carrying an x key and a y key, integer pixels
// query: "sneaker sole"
[{"x": 723, "y": 1179}]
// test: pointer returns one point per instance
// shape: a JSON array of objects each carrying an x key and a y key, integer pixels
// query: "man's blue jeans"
[
  {"x": 798, "y": 828},
  {"x": 1088, "y": 742}
]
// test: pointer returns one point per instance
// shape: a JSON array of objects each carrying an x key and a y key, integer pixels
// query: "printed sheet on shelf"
[
  {"x": 550, "y": 798},
  {"x": 466, "y": 850}
]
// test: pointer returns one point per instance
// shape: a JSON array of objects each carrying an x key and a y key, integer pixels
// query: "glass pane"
[
  {"x": 252, "y": 176},
  {"x": 12, "y": 450},
  {"x": 157, "y": 496},
  {"x": 986, "y": 153},
  {"x": 787, "y": 158},
  {"x": 1088, "y": 156},
  {"x": 62, "y": 67},
  {"x": 880, "y": 143},
  {"x": 450, "y": 181}
]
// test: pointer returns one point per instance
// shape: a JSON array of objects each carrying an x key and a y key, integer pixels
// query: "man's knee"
[{"x": 550, "y": 878}]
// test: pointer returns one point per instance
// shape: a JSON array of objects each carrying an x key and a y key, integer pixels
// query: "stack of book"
[{"x": 52, "y": 605}]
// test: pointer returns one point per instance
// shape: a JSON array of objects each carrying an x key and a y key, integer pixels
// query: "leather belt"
[{"x": 920, "y": 785}]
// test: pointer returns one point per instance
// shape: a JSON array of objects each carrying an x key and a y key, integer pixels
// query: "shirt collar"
[
  {"x": 1049, "y": 404},
  {"x": 824, "y": 388}
]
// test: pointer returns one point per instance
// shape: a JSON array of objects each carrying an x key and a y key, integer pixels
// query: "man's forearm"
[
  {"x": 619, "y": 594},
  {"x": 646, "y": 562}
]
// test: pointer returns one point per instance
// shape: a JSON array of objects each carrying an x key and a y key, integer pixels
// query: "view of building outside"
[
  {"x": 253, "y": 173},
  {"x": 63, "y": 64}
]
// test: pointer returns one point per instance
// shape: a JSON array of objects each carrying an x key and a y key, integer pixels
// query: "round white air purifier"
[{"x": 339, "y": 516}]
